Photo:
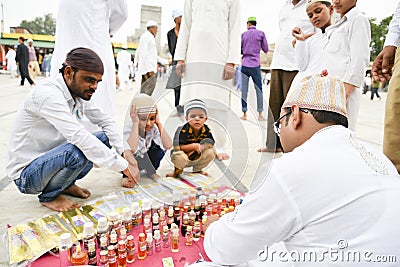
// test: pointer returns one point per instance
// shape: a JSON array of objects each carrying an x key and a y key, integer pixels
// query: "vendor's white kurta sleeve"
[
  {"x": 393, "y": 36},
  {"x": 234, "y": 33},
  {"x": 360, "y": 36},
  {"x": 127, "y": 129},
  {"x": 302, "y": 52},
  {"x": 267, "y": 215},
  {"x": 118, "y": 14},
  {"x": 184, "y": 32}
]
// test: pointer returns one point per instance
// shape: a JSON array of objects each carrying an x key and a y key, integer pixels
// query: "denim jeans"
[
  {"x": 50, "y": 174},
  {"x": 255, "y": 74}
]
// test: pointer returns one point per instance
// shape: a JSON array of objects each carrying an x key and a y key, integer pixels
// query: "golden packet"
[
  {"x": 76, "y": 220},
  {"x": 17, "y": 248},
  {"x": 92, "y": 213},
  {"x": 37, "y": 240},
  {"x": 54, "y": 228}
]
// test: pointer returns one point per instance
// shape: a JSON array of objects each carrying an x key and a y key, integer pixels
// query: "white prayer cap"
[
  {"x": 176, "y": 14},
  {"x": 30, "y": 41},
  {"x": 144, "y": 104},
  {"x": 151, "y": 23},
  {"x": 195, "y": 104}
]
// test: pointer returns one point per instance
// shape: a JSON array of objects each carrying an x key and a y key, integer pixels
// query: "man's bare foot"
[
  {"x": 61, "y": 204},
  {"x": 223, "y": 156},
  {"x": 244, "y": 117},
  {"x": 202, "y": 172},
  {"x": 77, "y": 191},
  {"x": 155, "y": 176},
  {"x": 261, "y": 118},
  {"x": 128, "y": 183}
]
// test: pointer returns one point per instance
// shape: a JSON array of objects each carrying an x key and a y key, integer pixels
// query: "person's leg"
[
  {"x": 206, "y": 157},
  {"x": 155, "y": 154},
  {"x": 256, "y": 76},
  {"x": 143, "y": 83},
  {"x": 245, "y": 90},
  {"x": 391, "y": 136},
  {"x": 377, "y": 95},
  {"x": 372, "y": 93},
  {"x": 180, "y": 161}
]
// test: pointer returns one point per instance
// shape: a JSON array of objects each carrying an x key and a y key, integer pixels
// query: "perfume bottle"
[
  {"x": 103, "y": 258},
  {"x": 196, "y": 231},
  {"x": 88, "y": 234},
  {"x": 130, "y": 249},
  {"x": 79, "y": 257},
  {"x": 121, "y": 254},
  {"x": 150, "y": 244},
  {"x": 165, "y": 237},
  {"x": 114, "y": 241},
  {"x": 162, "y": 220},
  {"x": 127, "y": 219},
  {"x": 112, "y": 256},
  {"x": 170, "y": 218},
  {"x": 157, "y": 241},
  {"x": 175, "y": 240},
  {"x": 65, "y": 249},
  {"x": 146, "y": 226},
  {"x": 102, "y": 228},
  {"x": 103, "y": 242},
  {"x": 156, "y": 225},
  {"x": 146, "y": 208},
  {"x": 189, "y": 236},
  {"x": 136, "y": 214},
  {"x": 142, "y": 247},
  {"x": 114, "y": 222},
  {"x": 92, "y": 256}
]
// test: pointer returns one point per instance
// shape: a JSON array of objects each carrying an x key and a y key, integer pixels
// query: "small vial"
[
  {"x": 142, "y": 247},
  {"x": 177, "y": 216},
  {"x": 130, "y": 249},
  {"x": 162, "y": 220},
  {"x": 170, "y": 219},
  {"x": 136, "y": 214},
  {"x": 65, "y": 249},
  {"x": 102, "y": 228},
  {"x": 103, "y": 242},
  {"x": 121, "y": 254},
  {"x": 192, "y": 217},
  {"x": 203, "y": 221},
  {"x": 79, "y": 257},
  {"x": 203, "y": 204},
  {"x": 92, "y": 256},
  {"x": 185, "y": 223},
  {"x": 196, "y": 231},
  {"x": 156, "y": 225},
  {"x": 114, "y": 241},
  {"x": 88, "y": 234},
  {"x": 127, "y": 219},
  {"x": 114, "y": 221},
  {"x": 165, "y": 237},
  {"x": 146, "y": 226},
  {"x": 150, "y": 244},
  {"x": 175, "y": 240},
  {"x": 157, "y": 241},
  {"x": 189, "y": 236},
  {"x": 112, "y": 256},
  {"x": 197, "y": 210},
  {"x": 122, "y": 235},
  {"x": 146, "y": 208},
  {"x": 103, "y": 258}
]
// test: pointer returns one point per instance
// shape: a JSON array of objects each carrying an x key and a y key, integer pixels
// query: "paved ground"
[{"x": 240, "y": 170}]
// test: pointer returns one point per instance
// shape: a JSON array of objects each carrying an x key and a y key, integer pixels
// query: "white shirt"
[
  {"x": 324, "y": 191},
  {"x": 49, "y": 117},
  {"x": 393, "y": 36},
  {"x": 290, "y": 16},
  {"x": 124, "y": 65},
  {"x": 89, "y": 24},
  {"x": 147, "y": 53},
  {"x": 308, "y": 56},
  {"x": 346, "y": 54},
  {"x": 10, "y": 56}
]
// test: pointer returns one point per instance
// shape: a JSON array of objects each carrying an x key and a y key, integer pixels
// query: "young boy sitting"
[
  {"x": 145, "y": 137},
  {"x": 193, "y": 142}
]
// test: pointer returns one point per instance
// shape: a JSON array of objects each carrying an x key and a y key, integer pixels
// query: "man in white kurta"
[
  {"x": 89, "y": 24},
  {"x": 327, "y": 193},
  {"x": 11, "y": 63},
  {"x": 124, "y": 68}
]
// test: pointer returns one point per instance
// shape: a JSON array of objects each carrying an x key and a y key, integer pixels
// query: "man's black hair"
[
  {"x": 252, "y": 22},
  {"x": 324, "y": 116}
]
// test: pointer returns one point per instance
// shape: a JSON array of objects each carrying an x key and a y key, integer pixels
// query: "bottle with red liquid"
[
  {"x": 142, "y": 247},
  {"x": 121, "y": 254},
  {"x": 189, "y": 236},
  {"x": 79, "y": 257},
  {"x": 127, "y": 219},
  {"x": 112, "y": 256},
  {"x": 175, "y": 240},
  {"x": 157, "y": 241},
  {"x": 103, "y": 258},
  {"x": 130, "y": 249}
]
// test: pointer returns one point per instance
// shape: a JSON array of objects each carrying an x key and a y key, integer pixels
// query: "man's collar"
[
  {"x": 64, "y": 87},
  {"x": 252, "y": 27}
]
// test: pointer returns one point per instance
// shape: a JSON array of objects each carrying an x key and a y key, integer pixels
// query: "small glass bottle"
[
  {"x": 165, "y": 237},
  {"x": 103, "y": 242},
  {"x": 189, "y": 236},
  {"x": 146, "y": 208},
  {"x": 177, "y": 216},
  {"x": 136, "y": 214},
  {"x": 112, "y": 256},
  {"x": 88, "y": 234},
  {"x": 127, "y": 219},
  {"x": 121, "y": 254},
  {"x": 92, "y": 256},
  {"x": 102, "y": 228},
  {"x": 203, "y": 221},
  {"x": 203, "y": 204},
  {"x": 170, "y": 218},
  {"x": 114, "y": 222},
  {"x": 231, "y": 208},
  {"x": 79, "y": 257},
  {"x": 192, "y": 198},
  {"x": 192, "y": 217},
  {"x": 215, "y": 205},
  {"x": 114, "y": 241},
  {"x": 142, "y": 247},
  {"x": 150, "y": 244},
  {"x": 103, "y": 258},
  {"x": 147, "y": 226},
  {"x": 65, "y": 249},
  {"x": 175, "y": 240},
  {"x": 162, "y": 220},
  {"x": 155, "y": 207},
  {"x": 197, "y": 209},
  {"x": 185, "y": 223},
  {"x": 157, "y": 241},
  {"x": 122, "y": 235},
  {"x": 156, "y": 225},
  {"x": 196, "y": 231},
  {"x": 130, "y": 249}
]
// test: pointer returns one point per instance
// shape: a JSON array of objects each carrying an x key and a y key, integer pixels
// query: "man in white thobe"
[
  {"x": 327, "y": 194},
  {"x": 11, "y": 63},
  {"x": 207, "y": 49},
  {"x": 124, "y": 67},
  {"x": 147, "y": 58},
  {"x": 90, "y": 24}
]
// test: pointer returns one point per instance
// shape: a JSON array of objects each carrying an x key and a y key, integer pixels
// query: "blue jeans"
[
  {"x": 55, "y": 171},
  {"x": 255, "y": 74}
]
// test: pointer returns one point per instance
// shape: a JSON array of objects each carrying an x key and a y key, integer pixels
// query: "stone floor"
[{"x": 244, "y": 137}]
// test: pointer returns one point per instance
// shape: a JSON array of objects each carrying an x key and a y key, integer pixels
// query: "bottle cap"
[
  {"x": 170, "y": 212},
  {"x": 203, "y": 199},
  {"x": 165, "y": 228},
  {"x": 175, "y": 231},
  {"x": 113, "y": 216},
  {"x": 146, "y": 220},
  {"x": 102, "y": 222},
  {"x": 156, "y": 234},
  {"x": 65, "y": 240},
  {"x": 127, "y": 213},
  {"x": 146, "y": 204},
  {"x": 135, "y": 206},
  {"x": 162, "y": 214},
  {"x": 88, "y": 228},
  {"x": 113, "y": 237},
  {"x": 130, "y": 237},
  {"x": 149, "y": 237},
  {"x": 121, "y": 245},
  {"x": 196, "y": 223},
  {"x": 110, "y": 247},
  {"x": 155, "y": 218},
  {"x": 104, "y": 253},
  {"x": 103, "y": 239},
  {"x": 141, "y": 237},
  {"x": 122, "y": 231}
]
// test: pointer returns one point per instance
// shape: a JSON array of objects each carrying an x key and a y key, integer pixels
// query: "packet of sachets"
[
  {"x": 54, "y": 227},
  {"x": 92, "y": 213},
  {"x": 18, "y": 249},
  {"x": 37, "y": 240},
  {"x": 76, "y": 220}
]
